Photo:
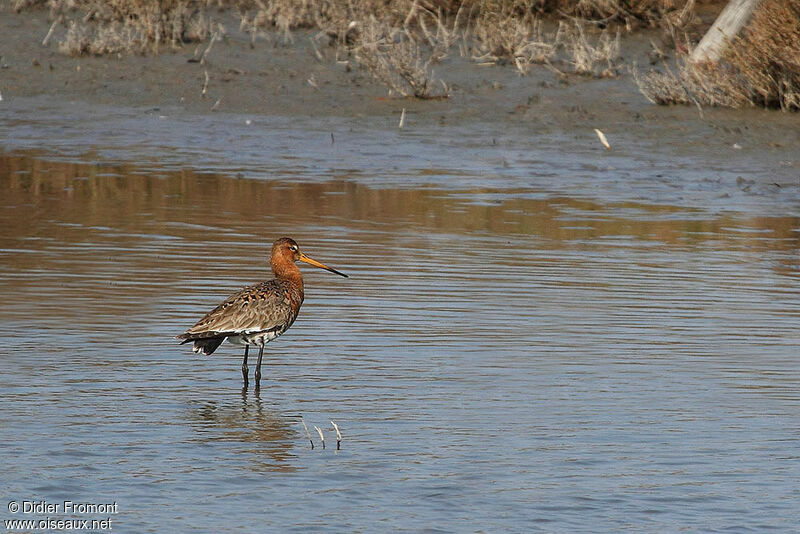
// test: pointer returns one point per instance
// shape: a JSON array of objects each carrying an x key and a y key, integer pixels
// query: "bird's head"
[{"x": 285, "y": 250}]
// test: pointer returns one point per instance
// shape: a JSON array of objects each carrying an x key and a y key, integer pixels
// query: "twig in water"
[
  {"x": 603, "y": 139},
  {"x": 50, "y": 32},
  {"x": 402, "y": 119},
  {"x": 216, "y": 104},
  {"x": 205, "y": 85},
  {"x": 308, "y": 434},
  {"x": 319, "y": 431},
  {"x": 214, "y": 37},
  {"x": 317, "y": 53},
  {"x": 338, "y": 436}
]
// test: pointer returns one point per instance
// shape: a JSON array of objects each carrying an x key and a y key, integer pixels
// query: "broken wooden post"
[{"x": 727, "y": 26}]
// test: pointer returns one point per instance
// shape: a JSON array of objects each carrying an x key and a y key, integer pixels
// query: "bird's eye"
[{"x": 293, "y": 248}]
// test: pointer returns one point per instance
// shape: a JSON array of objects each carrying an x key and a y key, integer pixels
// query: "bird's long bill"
[{"x": 315, "y": 263}]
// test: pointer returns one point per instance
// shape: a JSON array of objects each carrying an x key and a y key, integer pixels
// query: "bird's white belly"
[{"x": 259, "y": 339}]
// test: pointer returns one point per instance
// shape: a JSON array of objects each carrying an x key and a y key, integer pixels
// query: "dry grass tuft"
[
  {"x": 591, "y": 57},
  {"x": 761, "y": 67},
  {"x": 506, "y": 36},
  {"x": 288, "y": 15},
  {"x": 396, "y": 59},
  {"x": 601, "y": 12},
  {"x": 133, "y": 26},
  {"x": 701, "y": 85},
  {"x": 327, "y": 15},
  {"x": 19, "y": 5},
  {"x": 395, "y": 42},
  {"x": 767, "y": 56},
  {"x": 522, "y": 41},
  {"x": 441, "y": 31}
]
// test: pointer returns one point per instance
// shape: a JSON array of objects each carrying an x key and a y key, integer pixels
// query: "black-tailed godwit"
[{"x": 257, "y": 314}]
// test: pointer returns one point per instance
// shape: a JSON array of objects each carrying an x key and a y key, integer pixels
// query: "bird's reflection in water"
[{"x": 251, "y": 428}]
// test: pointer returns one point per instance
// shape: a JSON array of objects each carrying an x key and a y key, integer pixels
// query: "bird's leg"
[
  {"x": 244, "y": 365},
  {"x": 258, "y": 367}
]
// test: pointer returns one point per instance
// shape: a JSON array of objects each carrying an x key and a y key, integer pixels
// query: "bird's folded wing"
[{"x": 255, "y": 308}]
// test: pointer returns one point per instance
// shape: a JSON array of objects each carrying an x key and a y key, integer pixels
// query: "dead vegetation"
[
  {"x": 96, "y": 27},
  {"x": 521, "y": 40},
  {"x": 395, "y": 58},
  {"x": 592, "y": 57},
  {"x": 761, "y": 67},
  {"x": 400, "y": 43},
  {"x": 601, "y": 12}
]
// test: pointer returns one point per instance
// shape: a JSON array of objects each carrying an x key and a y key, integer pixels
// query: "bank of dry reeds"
[
  {"x": 653, "y": 12},
  {"x": 399, "y": 60},
  {"x": 760, "y": 67},
  {"x": 97, "y": 27},
  {"x": 504, "y": 28},
  {"x": 401, "y": 42}
]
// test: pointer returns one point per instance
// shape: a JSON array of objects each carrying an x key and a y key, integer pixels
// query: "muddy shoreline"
[{"x": 272, "y": 78}]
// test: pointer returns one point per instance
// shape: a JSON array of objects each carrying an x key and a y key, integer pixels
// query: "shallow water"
[{"x": 594, "y": 354}]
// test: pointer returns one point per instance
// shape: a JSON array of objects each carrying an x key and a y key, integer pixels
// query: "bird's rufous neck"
[{"x": 287, "y": 270}]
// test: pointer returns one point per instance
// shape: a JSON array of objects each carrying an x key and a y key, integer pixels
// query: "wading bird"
[{"x": 257, "y": 314}]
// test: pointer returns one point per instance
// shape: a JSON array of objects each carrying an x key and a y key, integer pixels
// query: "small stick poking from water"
[
  {"x": 308, "y": 434},
  {"x": 603, "y": 139},
  {"x": 319, "y": 431},
  {"x": 216, "y": 104},
  {"x": 50, "y": 32},
  {"x": 316, "y": 50},
  {"x": 338, "y": 436},
  {"x": 214, "y": 37},
  {"x": 402, "y": 119},
  {"x": 205, "y": 85}
]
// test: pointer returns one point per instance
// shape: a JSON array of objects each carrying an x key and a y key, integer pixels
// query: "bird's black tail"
[
  {"x": 205, "y": 345},
  {"x": 208, "y": 345}
]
